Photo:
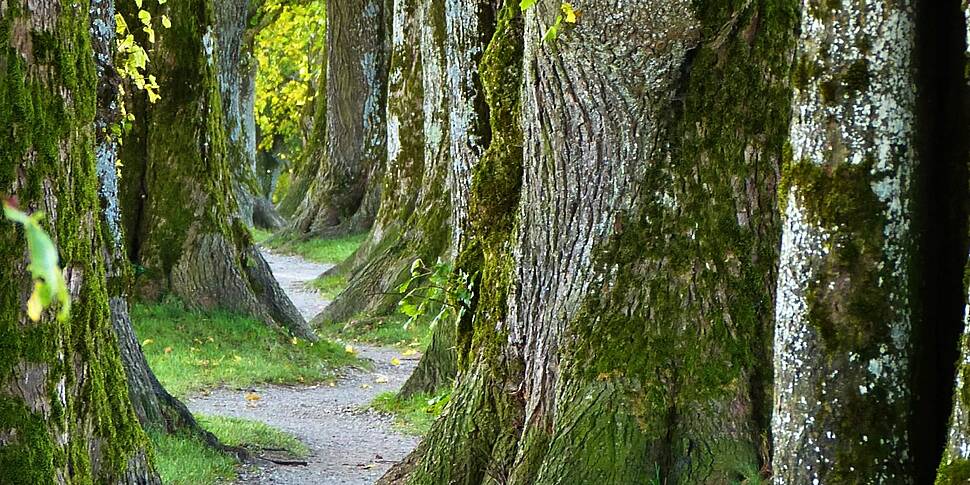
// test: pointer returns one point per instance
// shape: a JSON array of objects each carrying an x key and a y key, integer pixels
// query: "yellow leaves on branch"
[{"x": 132, "y": 61}]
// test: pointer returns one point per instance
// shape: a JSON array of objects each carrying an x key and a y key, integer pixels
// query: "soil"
[{"x": 349, "y": 443}]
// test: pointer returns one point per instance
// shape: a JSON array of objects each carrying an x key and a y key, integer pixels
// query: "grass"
[
  {"x": 325, "y": 251},
  {"x": 329, "y": 286},
  {"x": 260, "y": 235},
  {"x": 380, "y": 331},
  {"x": 413, "y": 415},
  {"x": 252, "y": 435},
  {"x": 182, "y": 459},
  {"x": 185, "y": 460},
  {"x": 193, "y": 351}
]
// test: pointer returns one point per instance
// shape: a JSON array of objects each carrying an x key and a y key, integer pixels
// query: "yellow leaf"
[
  {"x": 409, "y": 353},
  {"x": 380, "y": 380},
  {"x": 350, "y": 349},
  {"x": 395, "y": 361},
  {"x": 147, "y": 342},
  {"x": 168, "y": 350},
  {"x": 166, "y": 22},
  {"x": 34, "y": 305},
  {"x": 295, "y": 341},
  {"x": 365, "y": 386},
  {"x": 252, "y": 397},
  {"x": 569, "y": 13},
  {"x": 237, "y": 358}
]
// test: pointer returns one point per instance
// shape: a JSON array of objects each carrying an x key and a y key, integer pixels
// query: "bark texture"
[
  {"x": 155, "y": 407},
  {"x": 621, "y": 326},
  {"x": 237, "y": 22},
  {"x": 180, "y": 212},
  {"x": 843, "y": 322},
  {"x": 65, "y": 413},
  {"x": 345, "y": 194}
]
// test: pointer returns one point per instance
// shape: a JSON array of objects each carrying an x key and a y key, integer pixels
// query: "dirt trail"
[{"x": 348, "y": 444}]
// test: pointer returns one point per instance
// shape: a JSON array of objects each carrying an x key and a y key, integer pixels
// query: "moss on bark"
[
  {"x": 184, "y": 234},
  {"x": 65, "y": 415}
]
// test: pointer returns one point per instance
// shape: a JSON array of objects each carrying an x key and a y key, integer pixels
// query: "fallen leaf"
[
  {"x": 409, "y": 352},
  {"x": 365, "y": 386},
  {"x": 350, "y": 349},
  {"x": 381, "y": 380},
  {"x": 395, "y": 361},
  {"x": 252, "y": 396},
  {"x": 147, "y": 342},
  {"x": 168, "y": 350}
]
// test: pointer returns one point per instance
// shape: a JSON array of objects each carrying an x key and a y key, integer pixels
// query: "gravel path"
[{"x": 348, "y": 443}]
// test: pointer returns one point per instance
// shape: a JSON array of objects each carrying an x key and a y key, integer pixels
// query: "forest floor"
[{"x": 348, "y": 442}]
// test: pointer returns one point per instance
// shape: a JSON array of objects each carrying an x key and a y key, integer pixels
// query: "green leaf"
[
  {"x": 44, "y": 267},
  {"x": 526, "y": 4}
]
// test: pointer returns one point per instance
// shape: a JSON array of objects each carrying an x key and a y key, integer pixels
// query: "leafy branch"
[{"x": 436, "y": 289}]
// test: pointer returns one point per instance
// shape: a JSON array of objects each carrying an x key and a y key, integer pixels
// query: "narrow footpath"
[{"x": 349, "y": 444}]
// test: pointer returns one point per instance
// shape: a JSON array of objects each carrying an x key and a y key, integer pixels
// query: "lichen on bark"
[{"x": 843, "y": 332}]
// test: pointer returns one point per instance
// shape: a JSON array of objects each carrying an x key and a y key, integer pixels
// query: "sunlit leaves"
[
  {"x": 435, "y": 292},
  {"x": 49, "y": 284},
  {"x": 567, "y": 14},
  {"x": 132, "y": 60},
  {"x": 288, "y": 53}
]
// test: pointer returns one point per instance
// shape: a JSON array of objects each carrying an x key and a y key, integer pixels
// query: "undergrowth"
[
  {"x": 413, "y": 415},
  {"x": 193, "y": 351}
]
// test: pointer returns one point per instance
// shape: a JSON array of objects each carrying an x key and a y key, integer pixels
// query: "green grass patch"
[
  {"x": 390, "y": 330},
  {"x": 185, "y": 460},
  {"x": 192, "y": 351},
  {"x": 329, "y": 286},
  {"x": 327, "y": 251},
  {"x": 252, "y": 435},
  {"x": 415, "y": 414},
  {"x": 260, "y": 235}
]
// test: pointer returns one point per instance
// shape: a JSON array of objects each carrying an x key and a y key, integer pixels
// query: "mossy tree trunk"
[
  {"x": 65, "y": 413},
  {"x": 181, "y": 214},
  {"x": 345, "y": 194},
  {"x": 236, "y": 23},
  {"x": 155, "y": 407},
  {"x": 466, "y": 28},
  {"x": 620, "y": 331},
  {"x": 843, "y": 324}
]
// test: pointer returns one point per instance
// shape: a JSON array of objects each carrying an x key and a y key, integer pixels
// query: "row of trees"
[
  {"x": 709, "y": 241},
  {"x": 614, "y": 191}
]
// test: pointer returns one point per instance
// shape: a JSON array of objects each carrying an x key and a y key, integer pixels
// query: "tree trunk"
[
  {"x": 235, "y": 34},
  {"x": 306, "y": 167},
  {"x": 66, "y": 413},
  {"x": 621, "y": 326},
  {"x": 184, "y": 233},
  {"x": 468, "y": 27},
  {"x": 345, "y": 194},
  {"x": 843, "y": 322},
  {"x": 154, "y": 406}
]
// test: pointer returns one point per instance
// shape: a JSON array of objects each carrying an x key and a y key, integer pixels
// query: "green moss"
[
  {"x": 46, "y": 140},
  {"x": 954, "y": 473},
  {"x": 691, "y": 286}
]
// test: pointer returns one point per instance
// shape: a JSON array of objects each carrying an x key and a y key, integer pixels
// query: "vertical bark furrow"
[{"x": 842, "y": 339}]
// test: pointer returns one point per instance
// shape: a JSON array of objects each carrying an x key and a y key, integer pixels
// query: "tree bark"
[
  {"x": 184, "y": 232},
  {"x": 235, "y": 34},
  {"x": 153, "y": 405},
  {"x": 345, "y": 194},
  {"x": 620, "y": 331},
  {"x": 66, "y": 414},
  {"x": 843, "y": 320}
]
